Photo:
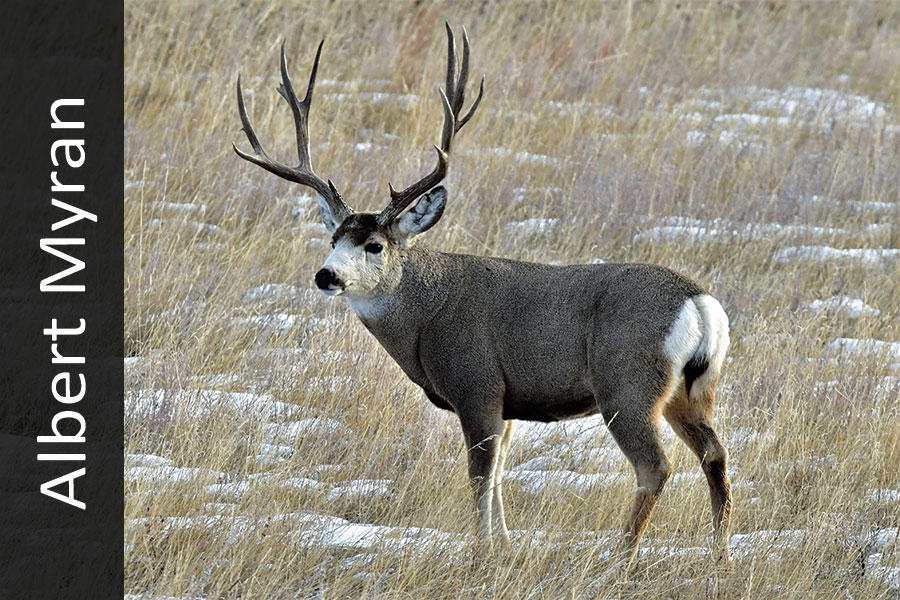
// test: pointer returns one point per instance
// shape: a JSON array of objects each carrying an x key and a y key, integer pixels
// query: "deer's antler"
[
  {"x": 303, "y": 173},
  {"x": 452, "y": 101}
]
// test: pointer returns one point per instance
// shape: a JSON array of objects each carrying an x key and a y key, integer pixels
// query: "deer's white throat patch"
[{"x": 366, "y": 308}]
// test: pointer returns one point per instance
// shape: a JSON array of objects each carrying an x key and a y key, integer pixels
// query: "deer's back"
[{"x": 543, "y": 331}]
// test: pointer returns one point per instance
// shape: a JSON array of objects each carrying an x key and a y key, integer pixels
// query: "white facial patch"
[{"x": 356, "y": 272}]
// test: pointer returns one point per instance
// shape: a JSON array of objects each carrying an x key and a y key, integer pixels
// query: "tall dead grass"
[{"x": 607, "y": 117}]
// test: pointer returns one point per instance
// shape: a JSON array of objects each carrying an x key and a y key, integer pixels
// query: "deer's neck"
[{"x": 397, "y": 316}]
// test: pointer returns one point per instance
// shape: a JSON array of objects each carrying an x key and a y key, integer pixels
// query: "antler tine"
[
  {"x": 465, "y": 119},
  {"x": 452, "y": 102},
  {"x": 300, "y": 109},
  {"x": 463, "y": 78},
  {"x": 303, "y": 172},
  {"x": 451, "y": 62},
  {"x": 459, "y": 91},
  {"x": 247, "y": 128}
]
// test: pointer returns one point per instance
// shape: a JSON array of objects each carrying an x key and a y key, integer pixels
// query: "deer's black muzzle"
[{"x": 326, "y": 280}]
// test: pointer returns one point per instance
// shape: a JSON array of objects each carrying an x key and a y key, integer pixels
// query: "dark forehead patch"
[{"x": 357, "y": 228}]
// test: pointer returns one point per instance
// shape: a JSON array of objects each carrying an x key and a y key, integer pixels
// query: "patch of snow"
[
  {"x": 517, "y": 156},
  {"x": 695, "y": 138},
  {"x": 269, "y": 455},
  {"x": 360, "y": 488},
  {"x": 764, "y": 542},
  {"x": 194, "y": 227},
  {"x": 687, "y": 230},
  {"x": 810, "y": 103},
  {"x": 521, "y": 194},
  {"x": 852, "y": 308},
  {"x": 168, "y": 474},
  {"x": 233, "y": 491},
  {"x": 232, "y": 527},
  {"x": 228, "y": 492},
  {"x": 369, "y": 147},
  {"x": 275, "y": 321},
  {"x": 146, "y": 460},
  {"x": 536, "y": 482},
  {"x": 881, "y": 539},
  {"x": 333, "y": 532},
  {"x": 535, "y": 226},
  {"x": 882, "y": 496},
  {"x": 854, "y": 348},
  {"x": 868, "y": 257},
  {"x": 312, "y": 230},
  {"x": 327, "y": 384},
  {"x": 271, "y": 293},
  {"x": 303, "y": 206},
  {"x": 540, "y": 463},
  {"x": 205, "y": 403},
  {"x": 300, "y": 484},
  {"x": 743, "y": 121},
  {"x": 889, "y": 576},
  {"x": 178, "y": 208},
  {"x": 217, "y": 380},
  {"x": 691, "y": 235},
  {"x": 220, "y": 508},
  {"x": 689, "y": 479},
  {"x": 857, "y": 206},
  {"x": 888, "y": 387}
]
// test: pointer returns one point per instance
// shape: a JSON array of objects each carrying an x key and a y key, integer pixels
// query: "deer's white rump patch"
[
  {"x": 684, "y": 336},
  {"x": 700, "y": 330},
  {"x": 715, "y": 331}
]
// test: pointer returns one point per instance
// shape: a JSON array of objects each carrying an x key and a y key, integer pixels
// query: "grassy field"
[{"x": 276, "y": 451}]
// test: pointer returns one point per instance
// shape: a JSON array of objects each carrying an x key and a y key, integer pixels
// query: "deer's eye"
[{"x": 374, "y": 248}]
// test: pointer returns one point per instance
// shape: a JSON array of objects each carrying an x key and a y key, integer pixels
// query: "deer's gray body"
[
  {"x": 547, "y": 342},
  {"x": 495, "y": 340}
]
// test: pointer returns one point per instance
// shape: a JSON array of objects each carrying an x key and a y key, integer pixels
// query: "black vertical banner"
[{"x": 61, "y": 281}]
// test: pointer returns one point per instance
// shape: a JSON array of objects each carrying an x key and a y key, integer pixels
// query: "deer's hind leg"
[
  {"x": 633, "y": 417},
  {"x": 691, "y": 417}
]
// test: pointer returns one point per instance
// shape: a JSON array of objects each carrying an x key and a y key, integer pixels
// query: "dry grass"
[{"x": 624, "y": 115}]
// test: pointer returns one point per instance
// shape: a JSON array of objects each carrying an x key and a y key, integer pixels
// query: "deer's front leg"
[
  {"x": 483, "y": 433},
  {"x": 497, "y": 504}
]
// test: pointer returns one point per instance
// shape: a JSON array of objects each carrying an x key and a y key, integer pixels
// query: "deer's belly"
[{"x": 548, "y": 409}]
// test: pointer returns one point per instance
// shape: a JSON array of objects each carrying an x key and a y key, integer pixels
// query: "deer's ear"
[
  {"x": 423, "y": 215},
  {"x": 331, "y": 220}
]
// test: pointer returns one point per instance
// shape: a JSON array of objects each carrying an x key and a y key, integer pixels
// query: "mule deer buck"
[{"x": 495, "y": 340}]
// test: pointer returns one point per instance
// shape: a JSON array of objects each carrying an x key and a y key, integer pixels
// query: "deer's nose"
[{"x": 326, "y": 279}]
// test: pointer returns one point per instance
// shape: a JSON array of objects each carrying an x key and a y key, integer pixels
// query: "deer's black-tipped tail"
[{"x": 694, "y": 368}]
